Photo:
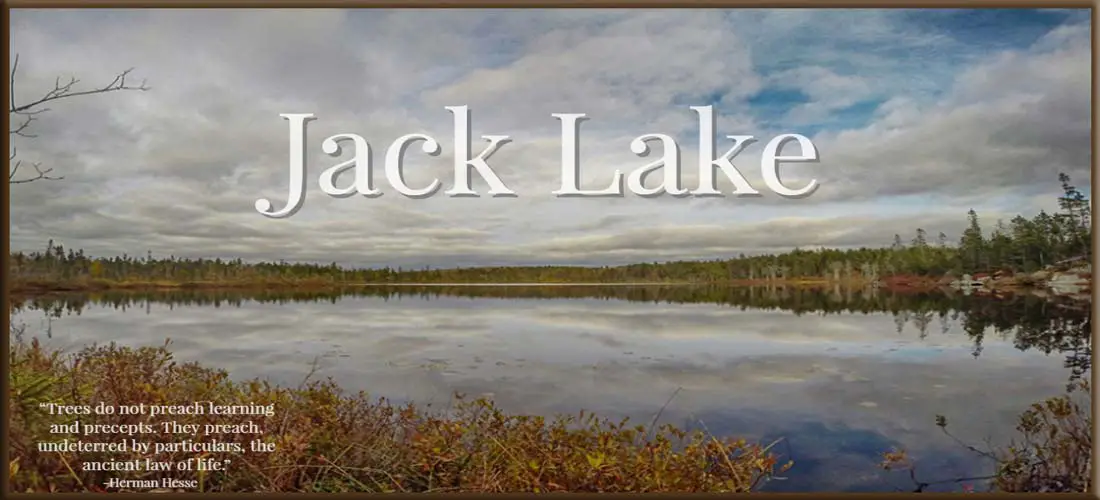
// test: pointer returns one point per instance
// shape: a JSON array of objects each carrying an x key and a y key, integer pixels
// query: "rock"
[
  {"x": 967, "y": 284},
  {"x": 1040, "y": 275},
  {"x": 1070, "y": 283},
  {"x": 1085, "y": 270}
]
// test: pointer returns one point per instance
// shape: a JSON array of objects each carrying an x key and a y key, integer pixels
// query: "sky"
[{"x": 917, "y": 116}]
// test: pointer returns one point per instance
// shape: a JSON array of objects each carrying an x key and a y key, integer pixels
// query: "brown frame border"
[
  {"x": 6, "y": 222},
  {"x": 436, "y": 4}
]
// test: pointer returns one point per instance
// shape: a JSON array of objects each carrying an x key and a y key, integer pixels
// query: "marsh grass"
[{"x": 331, "y": 441}]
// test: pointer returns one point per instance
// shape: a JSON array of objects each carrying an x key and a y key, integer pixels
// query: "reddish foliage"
[{"x": 908, "y": 282}]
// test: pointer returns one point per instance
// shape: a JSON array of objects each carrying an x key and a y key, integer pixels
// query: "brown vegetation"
[
  {"x": 331, "y": 441},
  {"x": 1053, "y": 453}
]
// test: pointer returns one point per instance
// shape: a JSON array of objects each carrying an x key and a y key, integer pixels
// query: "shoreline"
[
  {"x": 897, "y": 284},
  {"x": 41, "y": 288},
  {"x": 984, "y": 284}
]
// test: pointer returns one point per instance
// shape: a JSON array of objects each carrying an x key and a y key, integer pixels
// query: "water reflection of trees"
[
  {"x": 1035, "y": 323},
  {"x": 1048, "y": 325}
]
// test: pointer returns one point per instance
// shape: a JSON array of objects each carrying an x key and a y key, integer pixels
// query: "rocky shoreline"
[{"x": 1067, "y": 279}]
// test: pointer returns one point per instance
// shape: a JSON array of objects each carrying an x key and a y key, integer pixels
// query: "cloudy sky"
[{"x": 917, "y": 116}]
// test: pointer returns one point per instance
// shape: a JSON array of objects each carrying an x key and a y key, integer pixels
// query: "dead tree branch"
[
  {"x": 22, "y": 115},
  {"x": 39, "y": 173}
]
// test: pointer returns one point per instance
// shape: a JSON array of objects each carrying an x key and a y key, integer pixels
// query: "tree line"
[{"x": 1020, "y": 245}]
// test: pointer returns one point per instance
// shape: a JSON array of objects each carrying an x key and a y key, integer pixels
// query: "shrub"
[
  {"x": 1052, "y": 454},
  {"x": 1054, "y": 450},
  {"x": 330, "y": 441}
]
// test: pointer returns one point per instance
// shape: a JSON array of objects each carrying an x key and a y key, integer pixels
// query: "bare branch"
[
  {"x": 26, "y": 113},
  {"x": 39, "y": 174},
  {"x": 64, "y": 91},
  {"x": 27, "y": 119},
  {"x": 11, "y": 87}
]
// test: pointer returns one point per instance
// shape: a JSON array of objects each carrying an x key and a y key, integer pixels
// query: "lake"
[{"x": 840, "y": 375}]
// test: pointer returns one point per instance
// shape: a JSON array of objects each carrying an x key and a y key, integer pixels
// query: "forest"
[{"x": 1019, "y": 245}]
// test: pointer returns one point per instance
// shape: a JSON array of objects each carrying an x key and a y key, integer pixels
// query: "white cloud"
[{"x": 177, "y": 169}]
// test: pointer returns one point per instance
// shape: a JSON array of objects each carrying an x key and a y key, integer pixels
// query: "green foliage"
[{"x": 330, "y": 441}]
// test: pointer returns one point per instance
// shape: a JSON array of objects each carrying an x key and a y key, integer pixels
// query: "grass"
[{"x": 331, "y": 441}]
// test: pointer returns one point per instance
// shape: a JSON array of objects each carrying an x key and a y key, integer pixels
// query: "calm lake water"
[{"x": 840, "y": 376}]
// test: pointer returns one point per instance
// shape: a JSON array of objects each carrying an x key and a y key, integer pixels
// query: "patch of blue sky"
[
  {"x": 771, "y": 104},
  {"x": 984, "y": 30},
  {"x": 771, "y": 107},
  {"x": 954, "y": 39},
  {"x": 713, "y": 98},
  {"x": 856, "y": 116},
  {"x": 689, "y": 133}
]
